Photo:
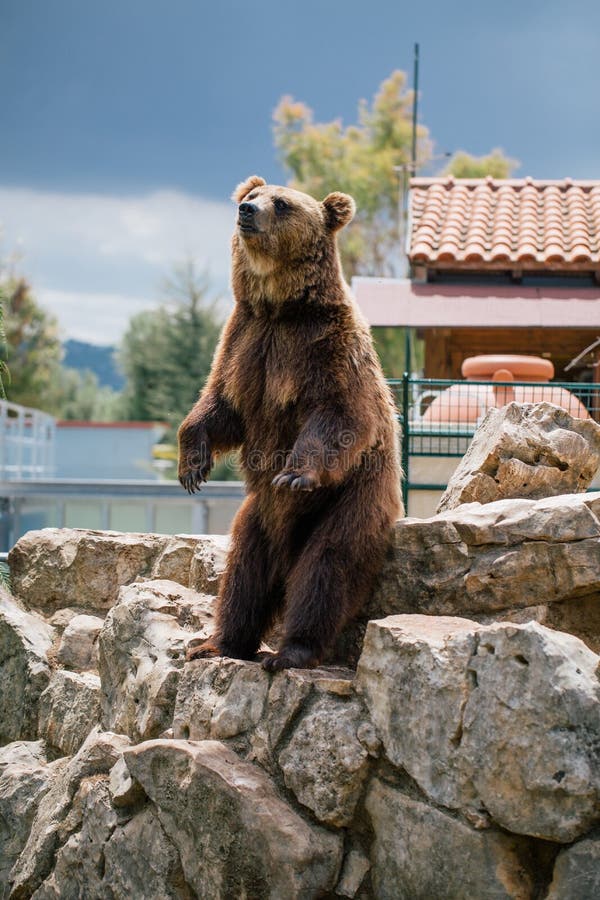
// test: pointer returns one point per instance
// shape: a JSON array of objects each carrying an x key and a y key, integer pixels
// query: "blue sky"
[{"x": 126, "y": 124}]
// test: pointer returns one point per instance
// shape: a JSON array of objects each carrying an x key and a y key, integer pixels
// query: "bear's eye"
[{"x": 280, "y": 205}]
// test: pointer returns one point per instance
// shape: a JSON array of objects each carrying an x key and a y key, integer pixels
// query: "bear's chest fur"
[{"x": 267, "y": 371}]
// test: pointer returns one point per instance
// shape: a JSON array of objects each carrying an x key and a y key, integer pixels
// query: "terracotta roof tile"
[{"x": 495, "y": 222}]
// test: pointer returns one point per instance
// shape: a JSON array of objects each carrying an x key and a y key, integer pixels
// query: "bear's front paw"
[
  {"x": 194, "y": 469},
  {"x": 297, "y": 481}
]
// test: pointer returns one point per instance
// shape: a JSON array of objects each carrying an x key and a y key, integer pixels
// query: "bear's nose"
[{"x": 247, "y": 210}]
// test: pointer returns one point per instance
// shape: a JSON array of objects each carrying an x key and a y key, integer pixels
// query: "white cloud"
[{"x": 95, "y": 260}]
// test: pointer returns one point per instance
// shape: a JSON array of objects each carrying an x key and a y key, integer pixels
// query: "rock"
[
  {"x": 356, "y": 865},
  {"x": 175, "y": 561},
  {"x": 525, "y": 450},
  {"x": 446, "y": 694},
  {"x": 219, "y": 698},
  {"x": 141, "y": 654},
  {"x": 24, "y": 779},
  {"x": 235, "y": 835},
  {"x": 79, "y": 869},
  {"x": 59, "y": 567},
  {"x": 229, "y": 699},
  {"x": 208, "y": 563},
  {"x": 535, "y": 719},
  {"x": 69, "y": 709},
  {"x": 414, "y": 675},
  {"x": 480, "y": 559},
  {"x": 577, "y": 871},
  {"x": 420, "y": 852},
  {"x": 324, "y": 763},
  {"x": 78, "y": 648},
  {"x": 53, "y": 822},
  {"x": 124, "y": 791},
  {"x": 25, "y": 640},
  {"x": 140, "y": 861}
]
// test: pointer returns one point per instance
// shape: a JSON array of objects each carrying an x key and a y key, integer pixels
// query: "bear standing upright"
[{"x": 297, "y": 386}]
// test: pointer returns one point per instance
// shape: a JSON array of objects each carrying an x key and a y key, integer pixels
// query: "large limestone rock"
[
  {"x": 577, "y": 871},
  {"x": 483, "y": 559},
  {"x": 235, "y": 835},
  {"x": 25, "y": 641},
  {"x": 175, "y": 560},
  {"x": 142, "y": 652},
  {"x": 325, "y": 764},
  {"x": 69, "y": 710},
  {"x": 58, "y": 815},
  {"x": 78, "y": 648},
  {"x": 447, "y": 694},
  {"x": 421, "y": 852},
  {"x": 59, "y": 567},
  {"x": 525, "y": 450},
  {"x": 208, "y": 563},
  {"x": 24, "y": 779}
]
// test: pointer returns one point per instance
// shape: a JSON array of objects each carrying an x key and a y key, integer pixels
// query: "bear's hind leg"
[
  {"x": 249, "y": 595},
  {"x": 329, "y": 582}
]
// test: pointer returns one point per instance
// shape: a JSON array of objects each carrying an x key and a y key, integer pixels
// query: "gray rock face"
[
  {"x": 78, "y": 648},
  {"x": 521, "y": 697},
  {"x": 175, "y": 560},
  {"x": 83, "y": 569},
  {"x": 69, "y": 710},
  {"x": 219, "y": 699},
  {"x": 421, "y": 853},
  {"x": 208, "y": 563},
  {"x": 141, "y": 654},
  {"x": 25, "y": 640},
  {"x": 577, "y": 871},
  {"x": 24, "y": 779},
  {"x": 525, "y": 450},
  {"x": 236, "y": 837},
  {"x": 55, "y": 820},
  {"x": 498, "y": 556},
  {"x": 324, "y": 763}
]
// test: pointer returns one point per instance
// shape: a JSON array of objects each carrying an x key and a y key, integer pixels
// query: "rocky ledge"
[{"x": 459, "y": 758}]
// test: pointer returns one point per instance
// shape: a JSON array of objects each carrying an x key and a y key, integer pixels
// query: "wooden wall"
[{"x": 445, "y": 348}]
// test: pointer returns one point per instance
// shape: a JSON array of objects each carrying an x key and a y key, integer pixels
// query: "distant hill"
[{"x": 99, "y": 360}]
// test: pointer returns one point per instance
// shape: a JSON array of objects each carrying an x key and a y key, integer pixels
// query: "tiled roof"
[{"x": 492, "y": 223}]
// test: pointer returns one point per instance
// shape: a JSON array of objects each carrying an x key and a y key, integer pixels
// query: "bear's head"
[{"x": 278, "y": 226}]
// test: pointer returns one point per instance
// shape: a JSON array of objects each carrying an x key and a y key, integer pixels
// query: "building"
[{"x": 497, "y": 266}]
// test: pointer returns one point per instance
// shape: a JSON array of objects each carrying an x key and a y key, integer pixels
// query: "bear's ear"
[
  {"x": 339, "y": 210},
  {"x": 244, "y": 187}
]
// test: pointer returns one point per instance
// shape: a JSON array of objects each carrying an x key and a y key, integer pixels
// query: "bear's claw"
[
  {"x": 295, "y": 656},
  {"x": 296, "y": 481},
  {"x": 193, "y": 481}
]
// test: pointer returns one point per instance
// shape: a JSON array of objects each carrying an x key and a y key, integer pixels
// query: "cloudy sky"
[{"x": 126, "y": 123}]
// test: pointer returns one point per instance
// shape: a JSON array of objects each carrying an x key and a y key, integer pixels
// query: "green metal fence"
[{"x": 439, "y": 416}]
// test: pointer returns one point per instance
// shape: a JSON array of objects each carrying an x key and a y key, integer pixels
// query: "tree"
[
  {"x": 496, "y": 164},
  {"x": 166, "y": 352},
  {"x": 364, "y": 160},
  {"x": 32, "y": 350},
  {"x": 81, "y": 397}
]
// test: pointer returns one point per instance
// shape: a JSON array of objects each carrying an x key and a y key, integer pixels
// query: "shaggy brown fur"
[{"x": 296, "y": 384}]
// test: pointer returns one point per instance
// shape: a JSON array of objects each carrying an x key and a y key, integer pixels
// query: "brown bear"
[{"x": 297, "y": 386}]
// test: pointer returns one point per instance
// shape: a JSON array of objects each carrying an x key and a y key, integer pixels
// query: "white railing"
[{"x": 27, "y": 439}]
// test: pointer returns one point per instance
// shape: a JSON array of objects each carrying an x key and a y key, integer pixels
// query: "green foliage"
[
  {"x": 390, "y": 344},
  {"x": 166, "y": 352},
  {"x": 32, "y": 348},
  {"x": 496, "y": 164},
  {"x": 360, "y": 159},
  {"x": 81, "y": 398}
]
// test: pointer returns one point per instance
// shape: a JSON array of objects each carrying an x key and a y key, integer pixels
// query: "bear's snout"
[{"x": 246, "y": 215}]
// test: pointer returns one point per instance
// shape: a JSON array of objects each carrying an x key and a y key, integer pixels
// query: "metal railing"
[
  {"x": 27, "y": 439},
  {"x": 136, "y": 506},
  {"x": 439, "y": 416}
]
